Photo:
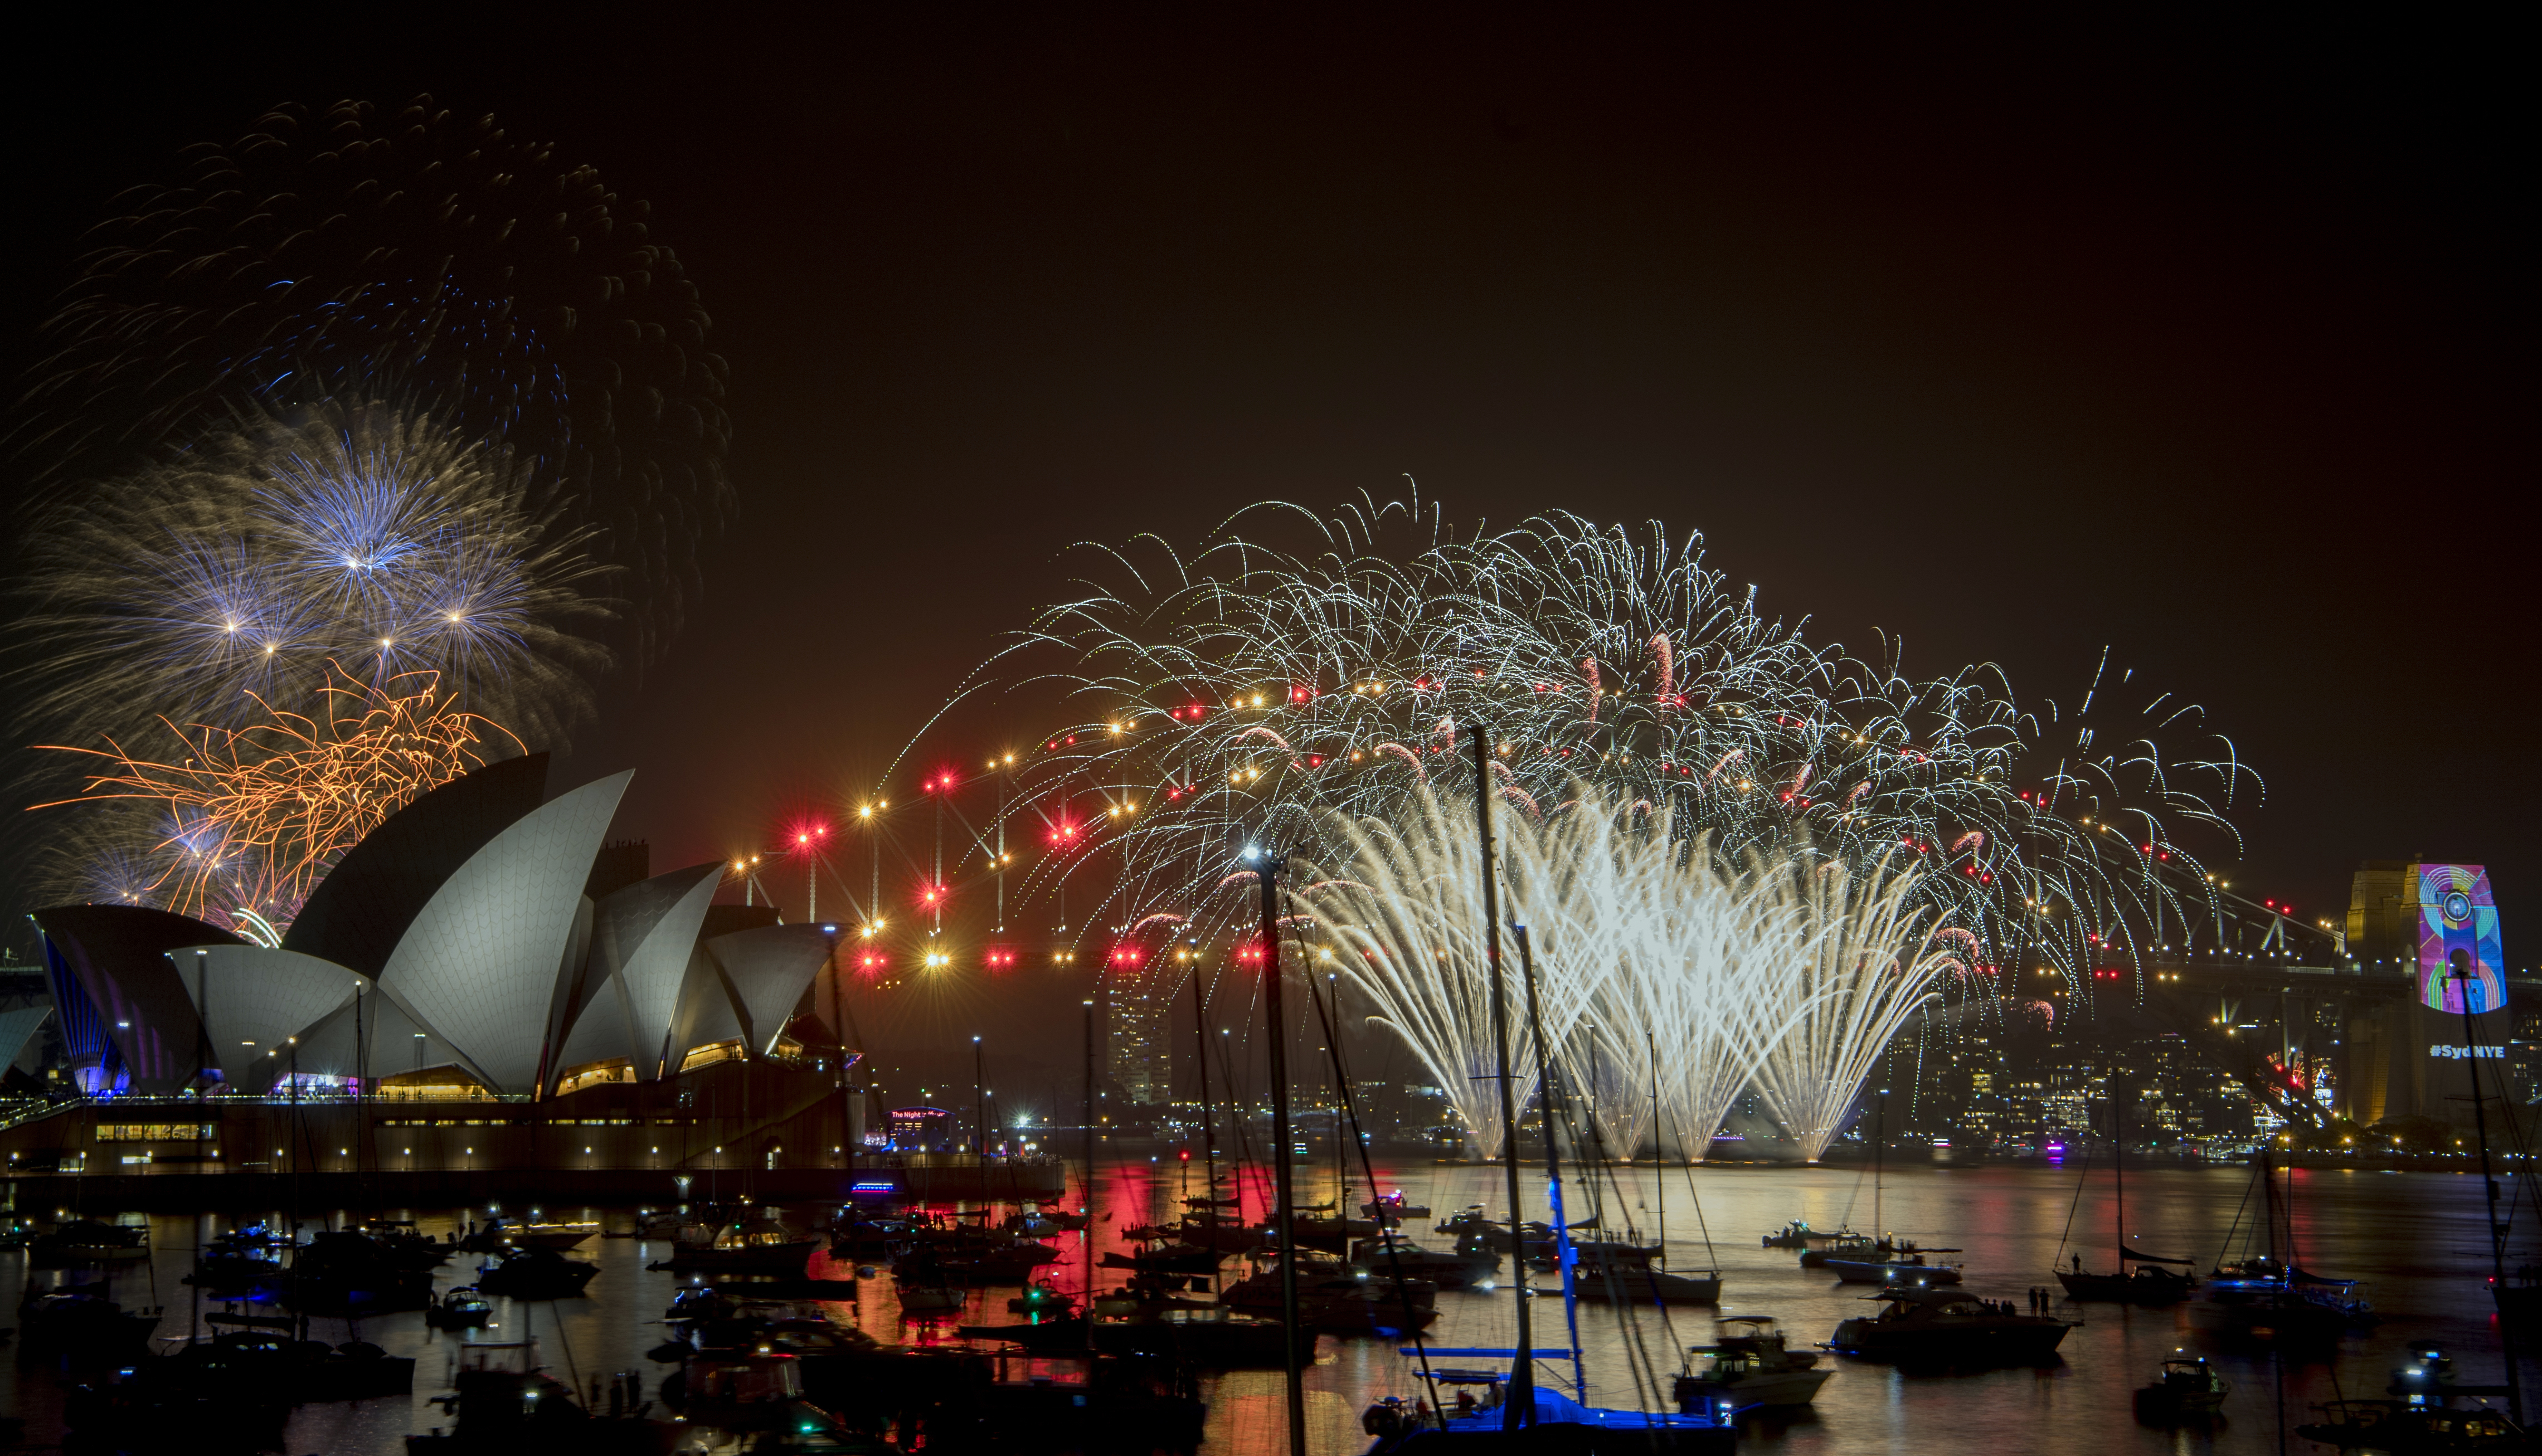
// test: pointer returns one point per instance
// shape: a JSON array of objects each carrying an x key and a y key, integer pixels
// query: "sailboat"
[
  {"x": 2148, "y": 1281},
  {"x": 1886, "y": 1262},
  {"x": 1615, "y": 1276},
  {"x": 2269, "y": 1296},
  {"x": 1505, "y": 1412}
]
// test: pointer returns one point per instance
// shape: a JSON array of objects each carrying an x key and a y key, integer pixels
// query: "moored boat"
[
  {"x": 535, "y": 1273},
  {"x": 1640, "y": 1285},
  {"x": 458, "y": 1309},
  {"x": 1163, "y": 1255},
  {"x": 1948, "y": 1327},
  {"x": 2186, "y": 1388},
  {"x": 1906, "y": 1271},
  {"x": 88, "y": 1241},
  {"x": 1042, "y": 1299},
  {"x": 80, "y": 1322},
  {"x": 1390, "y": 1210},
  {"x": 930, "y": 1298},
  {"x": 2401, "y": 1427},
  {"x": 737, "y": 1246},
  {"x": 504, "y": 1402},
  {"x": 1208, "y": 1337},
  {"x": 1749, "y": 1366},
  {"x": 1338, "y": 1298},
  {"x": 1394, "y": 1252},
  {"x": 2138, "y": 1277},
  {"x": 348, "y": 1273},
  {"x": 2268, "y": 1296},
  {"x": 2145, "y": 1284},
  {"x": 1823, "y": 1246},
  {"x": 499, "y": 1234},
  {"x": 1793, "y": 1235},
  {"x": 1473, "y": 1414}
]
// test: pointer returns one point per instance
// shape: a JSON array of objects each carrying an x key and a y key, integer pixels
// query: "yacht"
[
  {"x": 2398, "y": 1425},
  {"x": 1911, "y": 1270},
  {"x": 1748, "y": 1366},
  {"x": 1448, "y": 1270},
  {"x": 1796, "y": 1234},
  {"x": 2186, "y": 1389},
  {"x": 757, "y": 1246},
  {"x": 1948, "y": 1327}
]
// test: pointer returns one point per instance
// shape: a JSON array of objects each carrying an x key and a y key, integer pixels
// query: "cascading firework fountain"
[
  {"x": 1644, "y": 942},
  {"x": 1868, "y": 959}
]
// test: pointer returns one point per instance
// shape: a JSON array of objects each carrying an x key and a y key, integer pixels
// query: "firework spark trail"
[
  {"x": 1403, "y": 906},
  {"x": 256, "y": 816},
  {"x": 1241, "y": 692},
  {"x": 244, "y": 574},
  {"x": 1641, "y": 937},
  {"x": 414, "y": 255},
  {"x": 1699, "y": 959},
  {"x": 1870, "y": 960}
]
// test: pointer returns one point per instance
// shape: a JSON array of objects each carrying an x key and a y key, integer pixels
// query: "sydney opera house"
[{"x": 482, "y": 992}]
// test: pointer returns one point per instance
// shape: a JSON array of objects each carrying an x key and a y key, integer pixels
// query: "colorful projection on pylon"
[{"x": 2457, "y": 913}]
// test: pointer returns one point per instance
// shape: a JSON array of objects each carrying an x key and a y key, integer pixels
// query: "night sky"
[{"x": 2019, "y": 337}]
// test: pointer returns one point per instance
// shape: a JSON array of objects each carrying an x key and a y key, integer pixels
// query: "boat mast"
[
  {"x": 2268, "y": 1198},
  {"x": 1266, "y": 873},
  {"x": 1879, "y": 1136},
  {"x": 1341, "y": 1164},
  {"x": 2119, "y": 1165},
  {"x": 1659, "y": 1153},
  {"x": 2462, "y": 976},
  {"x": 1088, "y": 1141},
  {"x": 1208, "y": 1133},
  {"x": 1392, "y": 1242},
  {"x": 1549, "y": 1104},
  {"x": 1518, "y": 1407}
]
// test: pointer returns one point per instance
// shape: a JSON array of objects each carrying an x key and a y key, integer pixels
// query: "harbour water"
[{"x": 2415, "y": 1237}]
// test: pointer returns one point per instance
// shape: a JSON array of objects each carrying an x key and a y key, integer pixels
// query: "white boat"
[{"x": 1749, "y": 1366}]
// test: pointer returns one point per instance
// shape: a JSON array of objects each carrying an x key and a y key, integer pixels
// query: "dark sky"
[{"x": 2019, "y": 335}]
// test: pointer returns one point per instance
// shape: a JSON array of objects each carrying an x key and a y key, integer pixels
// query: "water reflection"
[{"x": 2416, "y": 1236}]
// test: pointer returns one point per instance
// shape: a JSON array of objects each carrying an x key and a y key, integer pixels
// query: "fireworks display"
[
  {"x": 1669, "y": 975},
  {"x": 1240, "y": 693},
  {"x": 251, "y": 819},
  {"x": 1772, "y": 849},
  {"x": 1863, "y": 960},
  {"x": 362, "y": 396},
  {"x": 1642, "y": 942},
  {"x": 255, "y": 568},
  {"x": 416, "y": 257}
]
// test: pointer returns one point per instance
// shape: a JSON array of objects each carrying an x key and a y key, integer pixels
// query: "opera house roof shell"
[{"x": 457, "y": 935}]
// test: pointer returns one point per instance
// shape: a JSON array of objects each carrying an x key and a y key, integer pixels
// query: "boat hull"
[
  {"x": 1194, "y": 1261},
  {"x": 2145, "y": 1289},
  {"x": 2289, "y": 1321},
  {"x": 1588, "y": 1431},
  {"x": 2004, "y": 1343},
  {"x": 1767, "y": 1390},
  {"x": 1646, "y": 1286},
  {"x": 562, "y": 1279},
  {"x": 1885, "y": 1271},
  {"x": 776, "y": 1259}
]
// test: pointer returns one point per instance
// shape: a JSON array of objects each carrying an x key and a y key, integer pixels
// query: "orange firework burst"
[{"x": 256, "y": 816}]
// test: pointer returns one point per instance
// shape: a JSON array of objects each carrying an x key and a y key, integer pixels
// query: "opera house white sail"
[{"x": 458, "y": 937}]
